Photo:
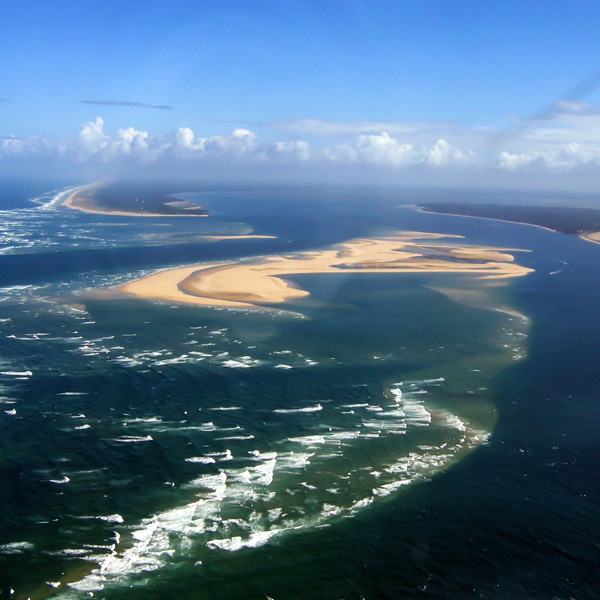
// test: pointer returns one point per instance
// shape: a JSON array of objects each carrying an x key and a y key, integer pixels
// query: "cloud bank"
[
  {"x": 125, "y": 103},
  {"x": 559, "y": 151}
]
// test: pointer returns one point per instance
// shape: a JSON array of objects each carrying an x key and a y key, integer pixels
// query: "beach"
[
  {"x": 251, "y": 283},
  {"x": 591, "y": 236}
]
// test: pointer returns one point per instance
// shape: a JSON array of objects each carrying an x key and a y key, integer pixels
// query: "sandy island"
[
  {"x": 247, "y": 284},
  {"x": 82, "y": 199}
]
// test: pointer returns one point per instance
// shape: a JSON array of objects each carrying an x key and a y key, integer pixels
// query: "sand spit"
[
  {"x": 248, "y": 284},
  {"x": 82, "y": 199},
  {"x": 591, "y": 236}
]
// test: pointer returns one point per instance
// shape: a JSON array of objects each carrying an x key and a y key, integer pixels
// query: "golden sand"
[{"x": 246, "y": 284}]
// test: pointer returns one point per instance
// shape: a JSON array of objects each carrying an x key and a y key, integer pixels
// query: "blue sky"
[{"x": 306, "y": 84}]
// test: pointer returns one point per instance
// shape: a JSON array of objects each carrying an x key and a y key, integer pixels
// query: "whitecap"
[
  {"x": 235, "y": 364},
  {"x": 237, "y": 543},
  {"x": 308, "y": 440},
  {"x": 133, "y": 438},
  {"x": 65, "y": 479},
  {"x": 17, "y": 373},
  {"x": 308, "y": 409},
  {"x": 15, "y": 547}
]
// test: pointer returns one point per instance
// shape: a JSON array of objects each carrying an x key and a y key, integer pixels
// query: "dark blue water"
[{"x": 379, "y": 439}]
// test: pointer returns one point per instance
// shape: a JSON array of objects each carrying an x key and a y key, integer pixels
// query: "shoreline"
[
  {"x": 590, "y": 236},
  {"x": 262, "y": 281},
  {"x": 76, "y": 201},
  {"x": 420, "y": 208}
]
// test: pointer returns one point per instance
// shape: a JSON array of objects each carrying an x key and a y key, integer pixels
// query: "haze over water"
[{"x": 391, "y": 436}]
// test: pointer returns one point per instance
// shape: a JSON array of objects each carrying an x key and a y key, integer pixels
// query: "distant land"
[
  {"x": 583, "y": 222},
  {"x": 131, "y": 200}
]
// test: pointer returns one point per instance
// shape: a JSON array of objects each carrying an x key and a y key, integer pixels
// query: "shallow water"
[{"x": 377, "y": 439}]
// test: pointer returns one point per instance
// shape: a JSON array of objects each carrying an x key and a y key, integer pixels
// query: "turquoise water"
[{"x": 392, "y": 435}]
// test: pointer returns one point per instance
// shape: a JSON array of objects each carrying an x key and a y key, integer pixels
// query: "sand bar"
[{"x": 248, "y": 284}]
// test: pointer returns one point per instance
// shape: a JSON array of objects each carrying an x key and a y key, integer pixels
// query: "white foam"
[
  {"x": 237, "y": 543},
  {"x": 294, "y": 460},
  {"x": 205, "y": 460},
  {"x": 309, "y": 440},
  {"x": 184, "y": 358},
  {"x": 65, "y": 479},
  {"x": 71, "y": 552},
  {"x": 389, "y": 488},
  {"x": 256, "y": 454},
  {"x": 235, "y": 364},
  {"x": 399, "y": 413},
  {"x": 307, "y": 485},
  {"x": 454, "y": 422},
  {"x": 214, "y": 483},
  {"x": 308, "y": 409},
  {"x": 17, "y": 373},
  {"x": 397, "y": 393},
  {"x": 116, "y": 518},
  {"x": 15, "y": 547},
  {"x": 261, "y": 474},
  {"x": 221, "y": 456},
  {"x": 144, "y": 420},
  {"x": 343, "y": 435},
  {"x": 133, "y": 439},
  {"x": 416, "y": 414},
  {"x": 418, "y": 382},
  {"x": 386, "y": 426}
]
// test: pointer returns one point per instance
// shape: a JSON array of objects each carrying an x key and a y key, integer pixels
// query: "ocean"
[{"x": 389, "y": 436}]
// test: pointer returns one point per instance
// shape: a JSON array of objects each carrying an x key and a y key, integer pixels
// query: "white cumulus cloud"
[{"x": 562, "y": 142}]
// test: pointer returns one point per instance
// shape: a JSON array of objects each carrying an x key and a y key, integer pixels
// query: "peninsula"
[
  {"x": 582, "y": 222},
  {"x": 125, "y": 200}
]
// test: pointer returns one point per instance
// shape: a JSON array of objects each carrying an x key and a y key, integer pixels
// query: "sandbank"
[
  {"x": 248, "y": 284},
  {"x": 591, "y": 236},
  {"x": 82, "y": 199}
]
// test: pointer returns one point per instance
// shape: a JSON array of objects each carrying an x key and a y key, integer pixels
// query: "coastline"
[
  {"x": 77, "y": 200},
  {"x": 588, "y": 236},
  {"x": 251, "y": 284},
  {"x": 420, "y": 208}
]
